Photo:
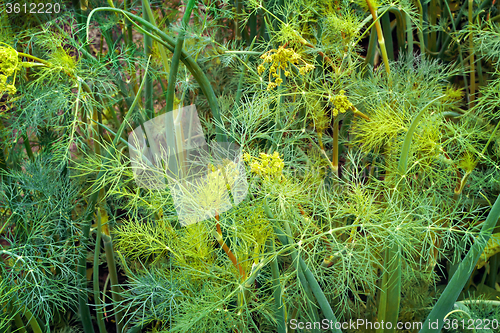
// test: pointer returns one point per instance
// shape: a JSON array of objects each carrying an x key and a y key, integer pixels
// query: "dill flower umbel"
[
  {"x": 8, "y": 65},
  {"x": 4, "y": 87},
  {"x": 341, "y": 103},
  {"x": 280, "y": 60},
  {"x": 267, "y": 166}
]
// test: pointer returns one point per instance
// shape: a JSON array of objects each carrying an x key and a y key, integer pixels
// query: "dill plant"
[{"x": 372, "y": 165}]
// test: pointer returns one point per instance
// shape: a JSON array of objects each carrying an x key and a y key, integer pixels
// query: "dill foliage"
[{"x": 369, "y": 143}]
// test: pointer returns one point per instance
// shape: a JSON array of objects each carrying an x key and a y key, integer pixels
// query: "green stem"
[
  {"x": 460, "y": 56},
  {"x": 419, "y": 31},
  {"x": 148, "y": 50},
  {"x": 405, "y": 151},
  {"x": 390, "y": 297},
  {"x": 28, "y": 147},
  {"x": 425, "y": 31},
  {"x": 386, "y": 27},
  {"x": 400, "y": 26},
  {"x": 278, "y": 302},
  {"x": 237, "y": 27},
  {"x": 32, "y": 320},
  {"x": 174, "y": 66},
  {"x": 409, "y": 38},
  {"x": 320, "y": 296},
  {"x": 128, "y": 28},
  {"x": 152, "y": 20},
  {"x": 253, "y": 26},
  {"x": 113, "y": 273},
  {"x": 239, "y": 90},
  {"x": 188, "y": 61},
  {"x": 84, "y": 309},
  {"x": 29, "y": 56},
  {"x": 97, "y": 292},
  {"x": 370, "y": 51},
  {"x": 19, "y": 323},
  {"x": 471, "y": 54},
  {"x": 335, "y": 148},
  {"x": 433, "y": 20},
  {"x": 380, "y": 35},
  {"x": 303, "y": 281},
  {"x": 480, "y": 73}
]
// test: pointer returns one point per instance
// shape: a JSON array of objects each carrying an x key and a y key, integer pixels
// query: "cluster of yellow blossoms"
[
  {"x": 267, "y": 166},
  {"x": 280, "y": 60},
  {"x": 340, "y": 102},
  {"x": 8, "y": 65}
]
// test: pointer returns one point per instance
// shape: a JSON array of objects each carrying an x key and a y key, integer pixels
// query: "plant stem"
[
  {"x": 390, "y": 296},
  {"x": 232, "y": 257},
  {"x": 432, "y": 21},
  {"x": 28, "y": 147},
  {"x": 84, "y": 309},
  {"x": 239, "y": 90},
  {"x": 405, "y": 151},
  {"x": 29, "y": 56},
  {"x": 409, "y": 38},
  {"x": 237, "y": 28},
  {"x": 174, "y": 66},
  {"x": 279, "y": 308},
  {"x": 386, "y": 26},
  {"x": 188, "y": 61},
  {"x": 97, "y": 296},
  {"x": 466, "y": 86},
  {"x": 371, "y": 49},
  {"x": 381, "y": 40},
  {"x": 113, "y": 274},
  {"x": 152, "y": 20},
  {"x": 31, "y": 320},
  {"x": 19, "y": 323},
  {"x": 455, "y": 22},
  {"x": 335, "y": 148},
  {"x": 494, "y": 265},
  {"x": 419, "y": 31},
  {"x": 148, "y": 50},
  {"x": 471, "y": 54}
]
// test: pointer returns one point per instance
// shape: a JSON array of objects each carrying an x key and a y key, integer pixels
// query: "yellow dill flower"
[
  {"x": 8, "y": 60},
  {"x": 4, "y": 87},
  {"x": 341, "y": 103},
  {"x": 9, "y": 64},
  {"x": 247, "y": 157},
  {"x": 280, "y": 60},
  {"x": 261, "y": 69},
  {"x": 271, "y": 86},
  {"x": 267, "y": 166}
]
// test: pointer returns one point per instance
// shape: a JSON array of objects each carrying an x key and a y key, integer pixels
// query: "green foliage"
[
  {"x": 41, "y": 249},
  {"x": 369, "y": 179}
]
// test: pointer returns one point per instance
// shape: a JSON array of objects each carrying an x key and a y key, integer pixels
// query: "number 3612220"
[{"x": 33, "y": 8}]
